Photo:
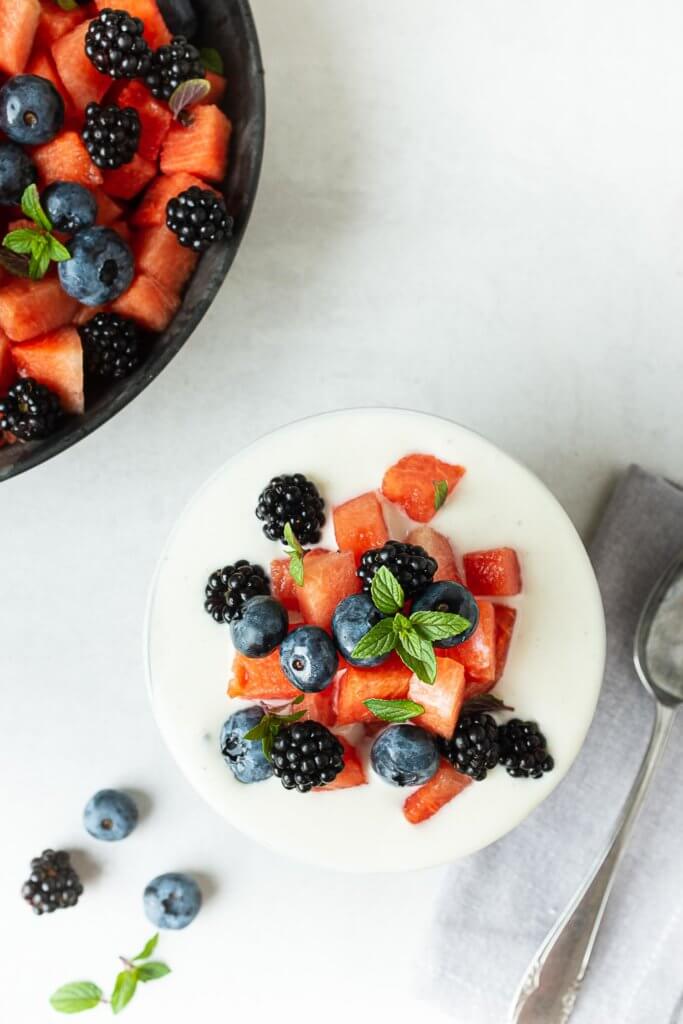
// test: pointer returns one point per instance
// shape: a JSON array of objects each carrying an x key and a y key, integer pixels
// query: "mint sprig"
[
  {"x": 440, "y": 493},
  {"x": 273, "y": 720},
  {"x": 186, "y": 95},
  {"x": 212, "y": 60},
  {"x": 296, "y": 555},
  {"x": 485, "y": 702},
  {"x": 394, "y": 711},
  {"x": 78, "y": 996},
  {"x": 38, "y": 242},
  {"x": 386, "y": 592}
]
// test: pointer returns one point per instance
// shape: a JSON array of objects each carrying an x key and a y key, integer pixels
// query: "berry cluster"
[
  {"x": 53, "y": 884},
  {"x": 292, "y": 500}
]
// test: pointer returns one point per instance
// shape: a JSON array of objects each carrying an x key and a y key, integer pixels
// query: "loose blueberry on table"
[
  {"x": 110, "y": 815},
  {"x": 114, "y": 148},
  {"x": 399, "y": 641}
]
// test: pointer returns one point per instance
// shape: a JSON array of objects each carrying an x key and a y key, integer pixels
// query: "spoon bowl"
[{"x": 658, "y": 647}]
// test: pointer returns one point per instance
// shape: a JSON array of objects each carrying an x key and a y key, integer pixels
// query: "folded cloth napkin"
[{"x": 498, "y": 905}]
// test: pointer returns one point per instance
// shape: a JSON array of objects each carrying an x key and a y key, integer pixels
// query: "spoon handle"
[{"x": 551, "y": 983}]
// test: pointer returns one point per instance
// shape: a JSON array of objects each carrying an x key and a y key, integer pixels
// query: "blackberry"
[
  {"x": 111, "y": 346},
  {"x": 410, "y": 564},
  {"x": 198, "y": 218},
  {"x": 111, "y": 134},
  {"x": 306, "y": 754},
  {"x": 30, "y": 411},
  {"x": 171, "y": 65},
  {"x": 228, "y": 588},
  {"x": 114, "y": 43},
  {"x": 294, "y": 500},
  {"x": 524, "y": 750},
  {"x": 474, "y": 748},
  {"x": 53, "y": 884}
]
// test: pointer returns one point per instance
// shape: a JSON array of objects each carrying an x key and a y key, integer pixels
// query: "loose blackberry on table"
[
  {"x": 111, "y": 134},
  {"x": 474, "y": 749},
  {"x": 171, "y": 65},
  {"x": 30, "y": 411},
  {"x": 409, "y": 563},
  {"x": 53, "y": 883},
  {"x": 198, "y": 218},
  {"x": 111, "y": 346},
  {"x": 305, "y": 755},
  {"x": 229, "y": 588},
  {"x": 524, "y": 750},
  {"x": 294, "y": 500},
  {"x": 115, "y": 44}
]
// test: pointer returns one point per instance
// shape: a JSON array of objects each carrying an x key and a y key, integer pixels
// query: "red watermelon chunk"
[
  {"x": 18, "y": 25},
  {"x": 156, "y": 32},
  {"x": 107, "y": 210},
  {"x": 129, "y": 179},
  {"x": 359, "y": 525},
  {"x": 66, "y": 159},
  {"x": 85, "y": 313},
  {"x": 82, "y": 80},
  {"x": 505, "y": 624},
  {"x": 282, "y": 585},
  {"x": 201, "y": 148},
  {"x": 152, "y": 208},
  {"x": 439, "y": 547},
  {"x": 55, "y": 360},
  {"x": 389, "y": 681},
  {"x": 478, "y": 654},
  {"x": 218, "y": 85},
  {"x": 410, "y": 484},
  {"x": 147, "y": 302},
  {"x": 7, "y": 369},
  {"x": 42, "y": 65},
  {"x": 352, "y": 774},
  {"x": 494, "y": 573},
  {"x": 30, "y": 308},
  {"x": 55, "y": 23},
  {"x": 319, "y": 706},
  {"x": 260, "y": 679},
  {"x": 155, "y": 118},
  {"x": 159, "y": 253},
  {"x": 435, "y": 794},
  {"x": 328, "y": 579},
  {"x": 442, "y": 700}
]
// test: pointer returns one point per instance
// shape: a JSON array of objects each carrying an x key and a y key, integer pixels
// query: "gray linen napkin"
[{"x": 498, "y": 905}]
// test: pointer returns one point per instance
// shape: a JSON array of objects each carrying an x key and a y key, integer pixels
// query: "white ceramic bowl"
[{"x": 553, "y": 674}]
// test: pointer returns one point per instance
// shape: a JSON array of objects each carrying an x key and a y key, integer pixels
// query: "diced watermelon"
[
  {"x": 42, "y": 65},
  {"x": 159, "y": 253},
  {"x": 494, "y": 573},
  {"x": 389, "y": 681},
  {"x": 82, "y": 80},
  {"x": 410, "y": 484},
  {"x": 442, "y": 700},
  {"x": 85, "y": 313},
  {"x": 55, "y": 23},
  {"x": 107, "y": 210},
  {"x": 352, "y": 774},
  {"x": 439, "y": 547},
  {"x": 123, "y": 230},
  {"x": 359, "y": 525},
  {"x": 282, "y": 585},
  {"x": 320, "y": 706},
  {"x": 435, "y": 794},
  {"x": 155, "y": 118},
  {"x": 505, "y": 623},
  {"x": 147, "y": 302},
  {"x": 55, "y": 360},
  {"x": 328, "y": 579},
  {"x": 29, "y": 308},
  {"x": 152, "y": 208},
  {"x": 18, "y": 25},
  {"x": 260, "y": 679},
  {"x": 156, "y": 32},
  {"x": 201, "y": 148},
  {"x": 7, "y": 369},
  {"x": 478, "y": 654},
  {"x": 66, "y": 159},
  {"x": 129, "y": 179},
  {"x": 218, "y": 85}
]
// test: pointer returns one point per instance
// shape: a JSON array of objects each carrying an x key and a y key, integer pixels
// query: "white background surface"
[{"x": 470, "y": 208}]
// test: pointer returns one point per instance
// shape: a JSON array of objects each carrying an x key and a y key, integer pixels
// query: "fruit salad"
[
  {"x": 377, "y": 658},
  {"x": 113, "y": 148}
]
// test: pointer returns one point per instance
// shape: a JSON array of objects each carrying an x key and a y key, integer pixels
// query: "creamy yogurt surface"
[{"x": 553, "y": 674}]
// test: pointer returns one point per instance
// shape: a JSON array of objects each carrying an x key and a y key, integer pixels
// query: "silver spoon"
[{"x": 551, "y": 984}]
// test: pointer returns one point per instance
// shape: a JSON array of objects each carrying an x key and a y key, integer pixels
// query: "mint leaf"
[
  {"x": 271, "y": 723},
  {"x": 40, "y": 259},
  {"x": 148, "y": 948},
  {"x": 418, "y": 656},
  {"x": 386, "y": 592},
  {"x": 13, "y": 263},
  {"x": 58, "y": 252},
  {"x": 259, "y": 731},
  {"x": 22, "y": 240},
  {"x": 31, "y": 208},
  {"x": 299, "y": 700},
  {"x": 402, "y": 625},
  {"x": 439, "y": 625},
  {"x": 124, "y": 990},
  {"x": 212, "y": 60},
  {"x": 188, "y": 94},
  {"x": 379, "y": 640},
  {"x": 153, "y": 970},
  {"x": 440, "y": 493},
  {"x": 67, "y": 5},
  {"x": 484, "y": 702},
  {"x": 76, "y": 997},
  {"x": 296, "y": 555},
  {"x": 394, "y": 710}
]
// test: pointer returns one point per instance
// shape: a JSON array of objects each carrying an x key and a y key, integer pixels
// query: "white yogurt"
[{"x": 554, "y": 671}]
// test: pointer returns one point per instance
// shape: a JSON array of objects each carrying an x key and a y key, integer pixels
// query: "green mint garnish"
[
  {"x": 188, "y": 94},
  {"x": 418, "y": 655},
  {"x": 394, "y": 711},
  {"x": 67, "y": 5},
  {"x": 378, "y": 641},
  {"x": 124, "y": 989},
  {"x": 148, "y": 948},
  {"x": 484, "y": 702},
  {"x": 38, "y": 243},
  {"x": 76, "y": 997},
  {"x": 386, "y": 592},
  {"x": 271, "y": 723},
  {"x": 296, "y": 556},
  {"x": 212, "y": 60},
  {"x": 153, "y": 970},
  {"x": 438, "y": 625},
  {"x": 440, "y": 493}
]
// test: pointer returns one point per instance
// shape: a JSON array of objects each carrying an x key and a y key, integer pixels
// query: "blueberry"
[
  {"x": 172, "y": 900},
  {"x": 31, "y": 110},
  {"x": 180, "y": 17},
  {"x": 69, "y": 206},
  {"x": 261, "y": 627},
  {"x": 449, "y": 597},
  {"x": 245, "y": 758},
  {"x": 100, "y": 269},
  {"x": 405, "y": 755},
  {"x": 17, "y": 172},
  {"x": 309, "y": 658},
  {"x": 110, "y": 815},
  {"x": 353, "y": 618}
]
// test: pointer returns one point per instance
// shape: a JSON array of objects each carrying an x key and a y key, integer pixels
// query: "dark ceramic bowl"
[{"x": 227, "y": 26}]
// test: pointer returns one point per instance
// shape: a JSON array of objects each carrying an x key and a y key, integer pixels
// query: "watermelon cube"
[
  {"x": 107, "y": 210},
  {"x": 478, "y": 654},
  {"x": 435, "y": 794},
  {"x": 218, "y": 85},
  {"x": 30, "y": 308},
  {"x": 148, "y": 303},
  {"x": 505, "y": 623},
  {"x": 82, "y": 80},
  {"x": 352, "y": 774},
  {"x": 156, "y": 31},
  {"x": 494, "y": 573},
  {"x": 7, "y": 370},
  {"x": 260, "y": 679},
  {"x": 410, "y": 484},
  {"x": 319, "y": 707},
  {"x": 159, "y": 253},
  {"x": 155, "y": 118},
  {"x": 55, "y": 360},
  {"x": 152, "y": 208},
  {"x": 42, "y": 65},
  {"x": 282, "y": 585},
  {"x": 328, "y": 579},
  {"x": 439, "y": 547},
  {"x": 85, "y": 313},
  {"x": 201, "y": 148},
  {"x": 359, "y": 525},
  {"x": 442, "y": 700},
  {"x": 66, "y": 159},
  {"x": 122, "y": 229},
  {"x": 129, "y": 179},
  {"x": 18, "y": 26},
  {"x": 55, "y": 23},
  {"x": 389, "y": 681}
]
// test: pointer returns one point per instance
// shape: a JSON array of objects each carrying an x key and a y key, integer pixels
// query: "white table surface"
[{"x": 474, "y": 209}]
